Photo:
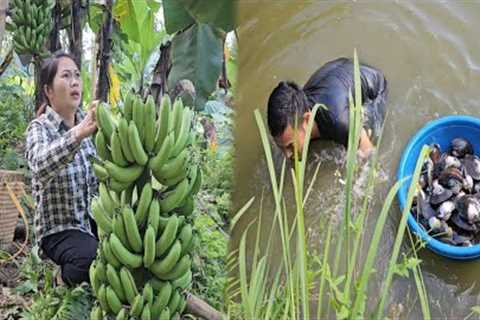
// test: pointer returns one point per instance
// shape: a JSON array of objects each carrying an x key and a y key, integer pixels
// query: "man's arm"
[{"x": 374, "y": 84}]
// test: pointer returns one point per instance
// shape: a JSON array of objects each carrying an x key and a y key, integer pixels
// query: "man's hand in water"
[{"x": 365, "y": 147}]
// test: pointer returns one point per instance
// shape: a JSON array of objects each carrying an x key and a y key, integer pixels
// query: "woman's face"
[{"x": 66, "y": 90}]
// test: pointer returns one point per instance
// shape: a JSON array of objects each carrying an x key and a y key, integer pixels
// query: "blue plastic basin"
[{"x": 440, "y": 131}]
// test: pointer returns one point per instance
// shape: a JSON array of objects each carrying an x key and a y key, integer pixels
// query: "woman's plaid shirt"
[{"x": 63, "y": 182}]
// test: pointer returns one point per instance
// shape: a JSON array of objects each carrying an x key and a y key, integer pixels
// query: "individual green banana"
[
  {"x": 114, "y": 281},
  {"x": 165, "y": 314},
  {"x": 122, "y": 315},
  {"x": 180, "y": 268},
  {"x": 128, "y": 285},
  {"x": 157, "y": 284},
  {"x": 28, "y": 35},
  {"x": 96, "y": 313},
  {"x": 116, "y": 149},
  {"x": 126, "y": 196},
  {"x": 126, "y": 257},
  {"x": 115, "y": 199},
  {"x": 167, "y": 237},
  {"x": 188, "y": 246},
  {"x": 146, "y": 313},
  {"x": 149, "y": 243},
  {"x": 138, "y": 117},
  {"x": 174, "y": 198},
  {"x": 175, "y": 180},
  {"x": 100, "y": 172},
  {"x": 100, "y": 271},
  {"x": 162, "y": 223},
  {"x": 124, "y": 140},
  {"x": 178, "y": 110},
  {"x": 126, "y": 175},
  {"x": 154, "y": 216},
  {"x": 163, "y": 125},
  {"x": 128, "y": 106},
  {"x": 161, "y": 300},
  {"x": 174, "y": 167},
  {"x": 156, "y": 163},
  {"x": 181, "y": 306},
  {"x": 137, "y": 306},
  {"x": 112, "y": 300},
  {"x": 119, "y": 230},
  {"x": 195, "y": 187},
  {"x": 101, "y": 145},
  {"x": 183, "y": 134},
  {"x": 103, "y": 220},
  {"x": 144, "y": 203},
  {"x": 106, "y": 200},
  {"x": 102, "y": 298},
  {"x": 136, "y": 144},
  {"x": 105, "y": 120},
  {"x": 94, "y": 281},
  {"x": 184, "y": 281},
  {"x": 185, "y": 236},
  {"x": 166, "y": 264},
  {"x": 148, "y": 293},
  {"x": 108, "y": 254},
  {"x": 118, "y": 186},
  {"x": 149, "y": 123},
  {"x": 174, "y": 301},
  {"x": 188, "y": 206},
  {"x": 131, "y": 227}
]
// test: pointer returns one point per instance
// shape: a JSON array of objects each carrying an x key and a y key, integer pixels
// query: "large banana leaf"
[
  {"x": 197, "y": 55},
  {"x": 218, "y": 13},
  {"x": 176, "y": 16},
  {"x": 179, "y": 14}
]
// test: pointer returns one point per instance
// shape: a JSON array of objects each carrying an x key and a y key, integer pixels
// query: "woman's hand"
[{"x": 88, "y": 125}]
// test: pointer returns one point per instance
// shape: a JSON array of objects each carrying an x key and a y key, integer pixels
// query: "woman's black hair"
[
  {"x": 286, "y": 102},
  {"x": 47, "y": 74}
]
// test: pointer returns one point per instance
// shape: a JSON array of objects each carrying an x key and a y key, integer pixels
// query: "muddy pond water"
[{"x": 430, "y": 54}]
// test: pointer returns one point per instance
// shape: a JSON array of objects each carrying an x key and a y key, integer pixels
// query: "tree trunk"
[
  {"x": 54, "y": 37},
  {"x": 37, "y": 61},
  {"x": 75, "y": 35},
  {"x": 6, "y": 62},
  {"x": 200, "y": 308},
  {"x": 223, "y": 81},
  {"x": 104, "y": 54},
  {"x": 160, "y": 73},
  {"x": 3, "y": 16}
]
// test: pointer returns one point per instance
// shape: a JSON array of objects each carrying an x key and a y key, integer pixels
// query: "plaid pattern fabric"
[{"x": 63, "y": 182}]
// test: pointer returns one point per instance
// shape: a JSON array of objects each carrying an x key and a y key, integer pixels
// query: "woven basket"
[{"x": 8, "y": 211}]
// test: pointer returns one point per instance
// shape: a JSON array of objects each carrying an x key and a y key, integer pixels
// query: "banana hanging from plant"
[
  {"x": 31, "y": 22},
  {"x": 144, "y": 209}
]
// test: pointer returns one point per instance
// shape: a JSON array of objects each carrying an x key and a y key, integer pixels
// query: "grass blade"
[{"x": 401, "y": 230}]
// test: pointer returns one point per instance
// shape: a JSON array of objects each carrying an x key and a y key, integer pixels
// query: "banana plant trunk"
[
  {"x": 160, "y": 74},
  {"x": 3, "y": 16},
  {"x": 75, "y": 35},
  {"x": 54, "y": 38},
  {"x": 104, "y": 54}
]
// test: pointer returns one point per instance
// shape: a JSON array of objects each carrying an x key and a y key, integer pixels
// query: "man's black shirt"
[{"x": 330, "y": 86}]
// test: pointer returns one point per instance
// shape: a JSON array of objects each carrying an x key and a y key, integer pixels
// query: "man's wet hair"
[{"x": 286, "y": 102}]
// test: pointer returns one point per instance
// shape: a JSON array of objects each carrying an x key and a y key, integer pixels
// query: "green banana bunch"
[
  {"x": 32, "y": 22},
  {"x": 144, "y": 259}
]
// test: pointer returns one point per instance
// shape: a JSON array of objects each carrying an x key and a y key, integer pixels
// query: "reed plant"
[{"x": 290, "y": 289}]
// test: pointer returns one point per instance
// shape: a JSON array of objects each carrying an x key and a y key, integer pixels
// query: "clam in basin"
[{"x": 441, "y": 132}]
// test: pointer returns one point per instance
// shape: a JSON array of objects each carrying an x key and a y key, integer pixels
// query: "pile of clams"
[{"x": 447, "y": 204}]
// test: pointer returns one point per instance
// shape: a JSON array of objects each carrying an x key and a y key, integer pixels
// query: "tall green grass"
[{"x": 258, "y": 290}]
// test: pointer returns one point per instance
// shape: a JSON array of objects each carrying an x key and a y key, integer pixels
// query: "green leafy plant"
[
  {"x": 48, "y": 300},
  {"x": 253, "y": 289}
]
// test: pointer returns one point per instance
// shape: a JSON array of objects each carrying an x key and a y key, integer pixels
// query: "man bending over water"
[{"x": 329, "y": 86}]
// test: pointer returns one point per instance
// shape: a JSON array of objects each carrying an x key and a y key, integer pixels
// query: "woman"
[{"x": 58, "y": 145}]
